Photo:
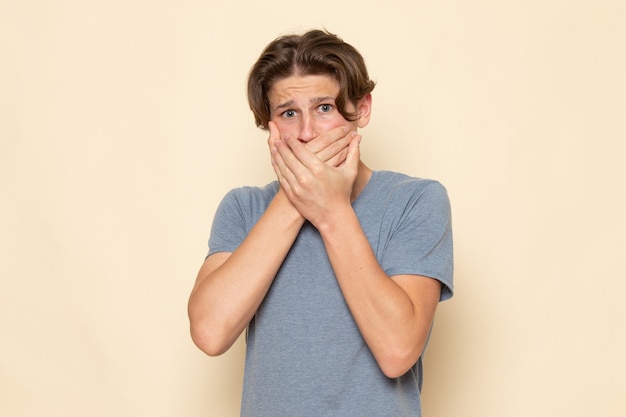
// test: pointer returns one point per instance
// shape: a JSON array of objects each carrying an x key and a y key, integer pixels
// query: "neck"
[{"x": 363, "y": 176}]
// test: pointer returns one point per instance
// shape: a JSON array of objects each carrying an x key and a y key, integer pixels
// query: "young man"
[{"x": 335, "y": 270}]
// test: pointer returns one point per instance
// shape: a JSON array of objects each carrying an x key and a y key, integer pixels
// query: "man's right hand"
[{"x": 330, "y": 147}]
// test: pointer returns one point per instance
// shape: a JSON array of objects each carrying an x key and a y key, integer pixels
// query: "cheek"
[
  {"x": 322, "y": 125},
  {"x": 286, "y": 128},
  {"x": 328, "y": 124}
]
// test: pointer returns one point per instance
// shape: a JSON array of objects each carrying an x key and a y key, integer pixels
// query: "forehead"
[{"x": 302, "y": 88}]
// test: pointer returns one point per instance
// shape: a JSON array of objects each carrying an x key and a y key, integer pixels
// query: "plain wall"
[{"x": 123, "y": 123}]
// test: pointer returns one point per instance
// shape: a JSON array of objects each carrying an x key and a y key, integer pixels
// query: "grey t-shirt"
[{"x": 305, "y": 355}]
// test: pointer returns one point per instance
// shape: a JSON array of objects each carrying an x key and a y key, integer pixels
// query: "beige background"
[{"x": 123, "y": 123}]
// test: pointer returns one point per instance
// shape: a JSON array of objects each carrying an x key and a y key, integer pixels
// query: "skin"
[{"x": 315, "y": 154}]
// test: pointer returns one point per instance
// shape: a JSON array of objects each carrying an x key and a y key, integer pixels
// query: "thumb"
[
  {"x": 354, "y": 153},
  {"x": 274, "y": 134}
]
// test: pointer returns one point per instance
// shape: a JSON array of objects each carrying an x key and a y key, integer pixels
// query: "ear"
[{"x": 364, "y": 108}]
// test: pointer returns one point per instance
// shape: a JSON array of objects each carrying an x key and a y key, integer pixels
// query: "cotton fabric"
[{"x": 305, "y": 355}]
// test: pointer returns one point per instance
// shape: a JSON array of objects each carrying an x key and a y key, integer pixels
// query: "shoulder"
[
  {"x": 251, "y": 196},
  {"x": 404, "y": 188},
  {"x": 245, "y": 203}
]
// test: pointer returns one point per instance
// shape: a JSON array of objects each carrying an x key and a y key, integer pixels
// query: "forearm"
[
  {"x": 394, "y": 325},
  {"x": 230, "y": 288}
]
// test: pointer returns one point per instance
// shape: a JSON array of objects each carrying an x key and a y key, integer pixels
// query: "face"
[{"x": 304, "y": 106}]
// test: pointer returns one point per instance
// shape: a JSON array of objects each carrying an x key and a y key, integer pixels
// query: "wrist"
[
  {"x": 288, "y": 211},
  {"x": 337, "y": 219}
]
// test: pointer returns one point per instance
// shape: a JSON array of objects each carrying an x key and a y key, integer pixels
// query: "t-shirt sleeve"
[
  {"x": 229, "y": 227},
  {"x": 421, "y": 244}
]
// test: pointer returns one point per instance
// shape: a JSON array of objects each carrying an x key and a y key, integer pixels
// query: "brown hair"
[{"x": 313, "y": 53}]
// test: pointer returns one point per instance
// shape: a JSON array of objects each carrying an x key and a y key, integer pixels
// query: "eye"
[
  {"x": 326, "y": 108},
  {"x": 289, "y": 114}
]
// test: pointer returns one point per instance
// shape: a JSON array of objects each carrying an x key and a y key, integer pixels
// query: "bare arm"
[
  {"x": 230, "y": 287},
  {"x": 394, "y": 314}
]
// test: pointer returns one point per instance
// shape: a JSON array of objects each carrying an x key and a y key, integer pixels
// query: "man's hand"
[
  {"x": 330, "y": 147},
  {"x": 314, "y": 186}
]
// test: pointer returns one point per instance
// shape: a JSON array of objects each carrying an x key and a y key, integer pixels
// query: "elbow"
[
  {"x": 394, "y": 370},
  {"x": 207, "y": 334},
  {"x": 209, "y": 339},
  {"x": 207, "y": 342},
  {"x": 212, "y": 330},
  {"x": 395, "y": 364}
]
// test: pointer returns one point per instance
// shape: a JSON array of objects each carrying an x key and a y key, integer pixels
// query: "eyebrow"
[{"x": 315, "y": 100}]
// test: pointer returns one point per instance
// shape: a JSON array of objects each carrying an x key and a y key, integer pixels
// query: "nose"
[{"x": 308, "y": 129}]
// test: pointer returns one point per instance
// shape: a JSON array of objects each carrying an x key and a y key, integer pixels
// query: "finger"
[
  {"x": 274, "y": 134},
  {"x": 296, "y": 155},
  {"x": 354, "y": 153},
  {"x": 337, "y": 159},
  {"x": 326, "y": 139},
  {"x": 335, "y": 153},
  {"x": 283, "y": 160},
  {"x": 281, "y": 179},
  {"x": 277, "y": 163}
]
